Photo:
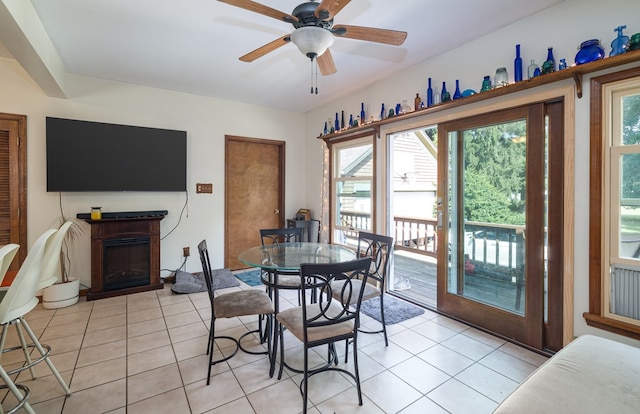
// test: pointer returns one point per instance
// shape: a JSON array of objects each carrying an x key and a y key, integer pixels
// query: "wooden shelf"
[{"x": 575, "y": 72}]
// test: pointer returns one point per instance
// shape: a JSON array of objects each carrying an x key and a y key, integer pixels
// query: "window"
[
  {"x": 614, "y": 279},
  {"x": 353, "y": 184}
]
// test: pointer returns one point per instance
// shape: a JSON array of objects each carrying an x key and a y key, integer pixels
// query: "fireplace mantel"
[{"x": 117, "y": 229}]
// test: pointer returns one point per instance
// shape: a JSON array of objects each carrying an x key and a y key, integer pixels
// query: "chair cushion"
[
  {"x": 285, "y": 280},
  {"x": 242, "y": 303},
  {"x": 370, "y": 291},
  {"x": 292, "y": 319},
  {"x": 289, "y": 281}
]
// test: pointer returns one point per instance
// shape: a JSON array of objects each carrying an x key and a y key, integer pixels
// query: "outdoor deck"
[{"x": 421, "y": 273}]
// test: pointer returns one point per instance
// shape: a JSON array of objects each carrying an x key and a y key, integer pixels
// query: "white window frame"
[
  {"x": 337, "y": 181},
  {"x": 613, "y": 152}
]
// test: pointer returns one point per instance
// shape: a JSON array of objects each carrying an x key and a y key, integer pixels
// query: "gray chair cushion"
[
  {"x": 242, "y": 303},
  {"x": 292, "y": 320},
  {"x": 370, "y": 291}
]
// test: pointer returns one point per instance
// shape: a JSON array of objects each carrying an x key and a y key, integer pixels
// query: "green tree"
[
  {"x": 495, "y": 168},
  {"x": 631, "y": 136},
  {"x": 486, "y": 203}
]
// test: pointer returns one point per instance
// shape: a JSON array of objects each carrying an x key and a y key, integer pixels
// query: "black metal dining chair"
[
  {"x": 285, "y": 280},
  {"x": 231, "y": 305},
  {"x": 326, "y": 320},
  {"x": 379, "y": 248}
]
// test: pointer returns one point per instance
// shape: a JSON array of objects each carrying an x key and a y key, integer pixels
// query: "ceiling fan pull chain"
[
  {"x": 312, "y": 76},
  {"x": 316, "y": 67}
]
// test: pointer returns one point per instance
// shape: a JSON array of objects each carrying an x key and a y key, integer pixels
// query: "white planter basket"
[{"x": 61, "y": 295}]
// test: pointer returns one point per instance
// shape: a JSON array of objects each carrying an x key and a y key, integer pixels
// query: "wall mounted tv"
[{"x": 95, "y": 156}]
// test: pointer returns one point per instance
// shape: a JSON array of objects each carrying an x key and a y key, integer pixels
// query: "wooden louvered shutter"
[
  {"x": 13, "y": 187},
  {"x": 5, "y": 188}
]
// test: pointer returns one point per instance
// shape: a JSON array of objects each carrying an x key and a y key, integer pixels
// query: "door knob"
[{"x": 276, "y": 211}]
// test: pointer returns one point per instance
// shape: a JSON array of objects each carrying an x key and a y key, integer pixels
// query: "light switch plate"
[{"x": 204, "y": 188}]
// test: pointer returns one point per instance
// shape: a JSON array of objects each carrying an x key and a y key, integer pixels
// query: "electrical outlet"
[
  {"x": 185, "y": 252},
  {"x": 204, "y": 188}
]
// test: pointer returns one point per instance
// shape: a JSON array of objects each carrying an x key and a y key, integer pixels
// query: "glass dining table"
[
  {"x": 289, "y": 256},
  {"x": 284, "y": 259}
]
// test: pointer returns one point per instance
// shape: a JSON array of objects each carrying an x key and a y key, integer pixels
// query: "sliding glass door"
[{"x": 493, "y": 214}]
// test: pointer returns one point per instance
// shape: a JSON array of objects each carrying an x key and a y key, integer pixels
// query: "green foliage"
[
  {"x": 631, "y": 136},
  {"x": 486, "y": 203},
  {"x": 495, "y": 169}
]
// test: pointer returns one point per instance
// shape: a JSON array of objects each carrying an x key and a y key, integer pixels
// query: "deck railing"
[
  {"x": 416, "y": 235},
  {"x": 486, "y": 244}
]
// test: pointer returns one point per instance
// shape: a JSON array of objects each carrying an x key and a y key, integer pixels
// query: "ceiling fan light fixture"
[{"x": 312, "y": 41}]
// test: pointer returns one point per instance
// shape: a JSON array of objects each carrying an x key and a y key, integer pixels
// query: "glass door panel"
[{"x": 488, "y": 214}]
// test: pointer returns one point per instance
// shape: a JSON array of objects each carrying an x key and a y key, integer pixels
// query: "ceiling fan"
[{"x": 314, "y": 30}]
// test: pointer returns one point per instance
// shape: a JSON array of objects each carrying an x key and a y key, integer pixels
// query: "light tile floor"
[{"x": 145, "y": 353}]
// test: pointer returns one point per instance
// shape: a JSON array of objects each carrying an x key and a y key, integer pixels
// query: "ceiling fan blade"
[
  {"x": 326, "y": 64},
  {"x": 329, "y": 8},
  {"x": 261, "y": 9},
  {"x": 370, "y": 34},
  {"x": 263, "y": 50}
]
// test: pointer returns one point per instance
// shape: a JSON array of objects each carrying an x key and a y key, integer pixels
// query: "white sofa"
[{"x": 590, "y": 375}]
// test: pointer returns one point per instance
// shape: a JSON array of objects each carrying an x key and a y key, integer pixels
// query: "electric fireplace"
[{"x": 125, "y": 256}]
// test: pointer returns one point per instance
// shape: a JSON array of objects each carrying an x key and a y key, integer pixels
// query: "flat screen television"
[{"x": 96, "y": 156}]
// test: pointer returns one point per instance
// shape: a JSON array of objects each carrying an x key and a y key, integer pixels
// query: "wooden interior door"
[
  {"x": 13, "y": 186},
  {"x": 254, "y": 193}
]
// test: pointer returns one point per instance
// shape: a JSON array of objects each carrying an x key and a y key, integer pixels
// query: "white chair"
[
  {"x": 50, "y": 273},
  {"x": 20, "y": 299}
]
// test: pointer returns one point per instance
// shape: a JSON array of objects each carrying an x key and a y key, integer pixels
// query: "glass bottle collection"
[{"x": 589, "y": 50}]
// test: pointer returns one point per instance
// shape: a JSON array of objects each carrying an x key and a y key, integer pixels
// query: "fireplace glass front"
[{"x": 126, "y": 263}]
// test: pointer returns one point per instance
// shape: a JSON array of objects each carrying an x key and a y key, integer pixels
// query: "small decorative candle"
[{"x": 96, "y": 213}]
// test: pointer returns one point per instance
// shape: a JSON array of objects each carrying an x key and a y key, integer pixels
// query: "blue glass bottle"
[
  {"x": 444, "y": 95},
  {"x": 398, "y": 109},
  {"x": 486, "y": 84},
  {"x": 362, "y": 114},
  {"x": 337, "y": 123},
  {"x": 562, "y": 64},
  {"x": 457, "y": 94},
  {"x": 350, "y": 120},
  {"x": 342, "y": 124},
  {"x": 382, "y": 113},
  {"x": 517, "y": 66},
  {"x": 326, "y": 128},
  {"x": 429, "y": 94}
]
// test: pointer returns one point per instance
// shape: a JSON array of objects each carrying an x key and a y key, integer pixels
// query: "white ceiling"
[{"x": 193, "y": 45}]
